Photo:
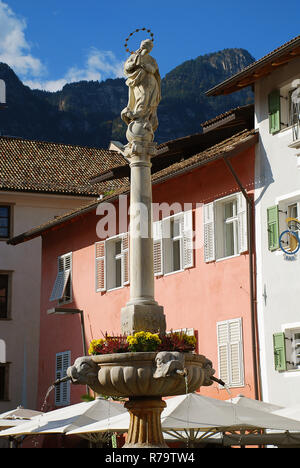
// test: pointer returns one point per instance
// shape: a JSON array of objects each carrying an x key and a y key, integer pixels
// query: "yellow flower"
[
  {"x": 190, "y": 339},
  {"x": 131, "y": 340},
  {"x": 94, "y": 344}
]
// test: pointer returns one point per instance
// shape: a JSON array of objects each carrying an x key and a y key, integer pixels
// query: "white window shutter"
[
  {"x": 63, "y": 274},
  {"x": 242, "y": 223},
  {"x": 236, "y": 350},
  {"x": 230, "y": 352},
  {"x": 222, "y": 337},
  {"x": 209, "y": 232},
  {"x": 125, "y": 258},
  {"x": 62, "y": 391},
  {"x": 188, "y": 250},
  {"x": 166, "y": 245},
  {"x": 100, "y": 266},
  {"x": 157, "y": 248}
]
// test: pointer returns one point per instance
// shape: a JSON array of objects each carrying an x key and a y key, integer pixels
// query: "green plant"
[{"x": 143, "y": 342}]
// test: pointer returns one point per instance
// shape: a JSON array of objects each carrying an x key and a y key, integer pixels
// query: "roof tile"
[{"x": 37, "y": 166}]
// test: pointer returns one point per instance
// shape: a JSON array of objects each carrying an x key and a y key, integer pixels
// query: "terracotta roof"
[
  {"x": 215, "y": 131},
  {"x": 241, "y": 113},
  {"x": 237, "y": 143},
  {"x": 37, "y": 166},
  {"x": 228, "y": 147},
  {"x": 258, "y": 69}
]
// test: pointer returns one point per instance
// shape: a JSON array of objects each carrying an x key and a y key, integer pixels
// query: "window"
[
  {"x": 62, "y": 391},
  {"x": 5, "y": 286},
  {"x": 273, "y": 227},
  {"x": 230, "y": 352},
  {"x": 284, "y": 108},
  {"x": 286, "y": 347},
  {"x": 176, "y": 244},
  {"x": 112, "y": 263},
  {"x": 172, "y": 230},
  {"x": 4, "y": 381},
  {"x": 277, "y": 216},
  {"x": 5, "y": 221},
  {"x": 225, "y": 227},
  {"x": 230, "y": 228},
  {"x": 293, "y": 211},
  {"x": 62, "y": 290},
  {"x": 173, "y": 243}
]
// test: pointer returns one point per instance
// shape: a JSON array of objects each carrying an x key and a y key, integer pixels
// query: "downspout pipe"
[{"x": 254, "y": 334}]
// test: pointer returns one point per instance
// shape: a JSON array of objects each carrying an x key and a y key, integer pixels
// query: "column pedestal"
[
  {"x": 145, "y": 426},
  {"x": 145, "y": 317}
]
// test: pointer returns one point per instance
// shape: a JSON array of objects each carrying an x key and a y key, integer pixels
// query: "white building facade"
[
  {"x": 275, "y": 80},
  {"x": 277, "y": 198}
]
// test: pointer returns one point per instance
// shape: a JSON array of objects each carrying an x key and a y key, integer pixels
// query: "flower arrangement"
[
  {"x": 143, "y": 342},
  {"x": 109, "y": 345},
  {"x": 178, "y": 341}
]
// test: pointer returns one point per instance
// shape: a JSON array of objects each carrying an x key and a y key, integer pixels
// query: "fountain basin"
[{"x": 136, "y": 374}]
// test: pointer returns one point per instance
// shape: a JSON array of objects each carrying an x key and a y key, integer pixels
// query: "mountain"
[{"x": 88, "y": 112}]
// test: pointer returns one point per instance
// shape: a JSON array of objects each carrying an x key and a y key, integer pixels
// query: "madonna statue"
[{"x": 143, "y": 80}]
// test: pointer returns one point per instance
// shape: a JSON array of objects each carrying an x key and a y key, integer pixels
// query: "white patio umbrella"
[
  {"x": 250, "y": 403},
  {"x": 119, "y": 423},
  {"x": 16, "y": 417},
  {"x": 292, "y": 412},
  {"x": 65, "y": 419},
  {"x": 199, "y": 416},
  {"x": 197, "y": 411}
]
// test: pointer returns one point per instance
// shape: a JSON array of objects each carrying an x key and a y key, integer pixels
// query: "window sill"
[
  {"x": 227, "y": 258},
  {"x": 295, "y": 144},
  {"x": 173, "y": 272},
  {"x": 290, "y": 372},
  {"x": 114, "y": 289},
  {"x": 284, "y": 130},
  {"x": 62, "y": 303}
]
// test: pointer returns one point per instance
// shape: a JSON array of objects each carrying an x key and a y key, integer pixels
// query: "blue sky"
[{"x": 52, "y": 42}]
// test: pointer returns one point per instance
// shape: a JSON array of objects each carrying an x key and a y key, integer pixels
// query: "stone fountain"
[{"x": 143, "y": 377}]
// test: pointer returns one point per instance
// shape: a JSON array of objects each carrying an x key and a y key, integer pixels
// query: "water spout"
[
  {"x": 182, "y": 372},
  {"x": 63, "y": 379},
  {"x": 219, "y": 381}
]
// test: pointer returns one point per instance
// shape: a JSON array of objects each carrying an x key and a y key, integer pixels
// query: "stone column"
[{"x": 142, "y": 312}]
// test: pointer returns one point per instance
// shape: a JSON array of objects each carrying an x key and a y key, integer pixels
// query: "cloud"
[
  {"x": 16, "y": 52},
  {"x": 14, "y": 49},
  {"x": 99, "y": 65}
]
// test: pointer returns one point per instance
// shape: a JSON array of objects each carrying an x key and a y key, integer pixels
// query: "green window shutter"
[
  {"x": 274, "y": 111},
  {"x": 279, "y": 351},
  {"x": 273, "y": 227}
]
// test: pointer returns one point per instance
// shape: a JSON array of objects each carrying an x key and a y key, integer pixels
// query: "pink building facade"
[{"x": 204, "y": 288}]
